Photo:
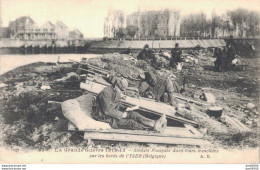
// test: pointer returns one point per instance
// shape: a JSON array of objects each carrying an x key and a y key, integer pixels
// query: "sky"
[{"x": 89, "y": 15}]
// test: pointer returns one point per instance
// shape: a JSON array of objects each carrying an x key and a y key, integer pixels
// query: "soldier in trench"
[{"x": 108, "y": 108}]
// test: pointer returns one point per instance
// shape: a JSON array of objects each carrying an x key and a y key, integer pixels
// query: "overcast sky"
[{"x": 88, "y": 15}]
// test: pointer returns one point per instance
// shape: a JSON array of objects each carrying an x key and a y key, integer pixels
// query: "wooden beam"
[
  {"x": 153, "y": 107},
  {"x": 168, "y": 132},
  {"x": 89, "y": 71},
  {"x": 237, "y": 124},
  {"x": 193, "y": 130},
  {"x": 96, "y": 68},
  {"x": 145, "y": 139},
  {"x": 241, "y": 125},
  {"x": 200, "y": 103}
]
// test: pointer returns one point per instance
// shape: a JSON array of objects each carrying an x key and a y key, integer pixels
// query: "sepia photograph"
[{"x": 120, "y": 81}]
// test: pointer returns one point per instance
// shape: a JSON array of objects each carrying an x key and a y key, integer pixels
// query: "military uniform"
[
  {"x": 108, "y": 109},
  {"x": 161, "y": 88},
  {"x": 145, "y": 54},
  {"x": 176, "y": 57}
]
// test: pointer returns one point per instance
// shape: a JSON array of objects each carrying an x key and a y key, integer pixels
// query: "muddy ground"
[{"x": 29, "y": 122}]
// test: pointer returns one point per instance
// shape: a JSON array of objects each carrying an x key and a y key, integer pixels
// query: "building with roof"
[
  {"x": 76, "y": 37},
  {"x": 61, "y": 30},
  {"x": 156, "y": 23},
  {"x": 24, "y": 28}
]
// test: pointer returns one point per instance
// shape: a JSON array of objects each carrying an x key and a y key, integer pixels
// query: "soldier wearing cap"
[
  {"x": 110, "y": 110},
  {"x": 145, "y": 54},
  {"x": 160, "y": 88}
]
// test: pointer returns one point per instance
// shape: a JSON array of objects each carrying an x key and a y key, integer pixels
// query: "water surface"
[{"x": 9, "y": 62}]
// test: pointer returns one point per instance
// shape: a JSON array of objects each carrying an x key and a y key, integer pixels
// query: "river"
[{"x": 9, "y": 62}]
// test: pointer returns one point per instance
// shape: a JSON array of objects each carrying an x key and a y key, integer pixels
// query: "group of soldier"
[
  {"x": 224, "y": 56},
  {"x": 157, "y": 61},
  {"x": 106, "y": 107}
]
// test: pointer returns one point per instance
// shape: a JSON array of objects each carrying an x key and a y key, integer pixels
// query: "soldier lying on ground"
[
  {"x": 108, "y": 109},
  {"x": 160, "y": 88}
]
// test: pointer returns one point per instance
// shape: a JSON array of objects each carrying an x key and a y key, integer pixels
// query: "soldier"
[
  {"x": 159, "y": 88},
  {"x": 108, "y": 109},
  {"x": 176, "y": 56},
  {"x": 219, "y": 61},
  {"x": 231, "y": 52},
  {"x": 146, "y": 54}
]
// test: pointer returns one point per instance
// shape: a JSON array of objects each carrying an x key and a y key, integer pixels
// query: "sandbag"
[{"x": 72, "y": 111}]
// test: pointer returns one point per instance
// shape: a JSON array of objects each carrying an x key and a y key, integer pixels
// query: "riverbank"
[{"x": 9, "y": 62}]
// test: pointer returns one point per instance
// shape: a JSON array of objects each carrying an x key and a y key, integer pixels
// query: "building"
[
  {"x": 21, "y": 24},
  {"x": 164, "y": 23},
  {"x": 61, "y": 30},
  {"x": 76, "y": 38},
  {"x": 24, "y": 28},
  {"x": 75, "y": 34}
]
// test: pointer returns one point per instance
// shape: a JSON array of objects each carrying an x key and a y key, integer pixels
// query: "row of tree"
[
  {"x": 240, "y": 23},
  {"x": 130, "y": 31}
]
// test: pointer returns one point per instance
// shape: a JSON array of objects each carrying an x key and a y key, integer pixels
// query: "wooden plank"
[
  {"x": 168, "y": 132},
  {"x": 89, "y": 71},
  {"x": 144, "y": 105},
  {"x": 194, "y": 131},
  {"x": 145, "y": 139},
  {"x": 237, "y": 125},
  {"x": 95, "y": 69},
  {"x": 241, "y": 124},
  {"x": 90, "y": 65},
  {"x": 200, "y": 103}
]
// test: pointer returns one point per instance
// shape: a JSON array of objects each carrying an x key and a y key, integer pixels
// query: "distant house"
[
  {"x": 21, "y": 24},
  {"x": 76, "y": 37},
  {"x": 48, "y": 31},
  {"x": 156, "y": 23},
  {"x": 75, "y": 34},
  {"x": 25, "y": 28},
  {"x": 61, "y": 30}
]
